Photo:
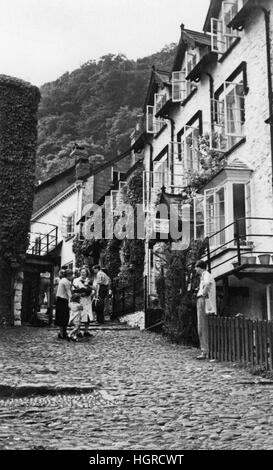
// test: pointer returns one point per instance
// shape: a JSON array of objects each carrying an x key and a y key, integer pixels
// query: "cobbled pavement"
[{"x": 142, "y": 392}]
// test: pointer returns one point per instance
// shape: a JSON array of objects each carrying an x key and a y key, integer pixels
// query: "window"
[
  {"x": 229, "y": 117},
  {"x": 117, "y": 176},
  {"x": 114, "y": 201},
  {"x": 213, "y": 219},
  {"x": 160, "y": 100},
  {"x": 119, "y": 197},
  {"x": 182, "y": 88},
  {"x": 68, "y": 226},
  {"x": 153, "y": 124},
  {"x": 222, "y": 37}
]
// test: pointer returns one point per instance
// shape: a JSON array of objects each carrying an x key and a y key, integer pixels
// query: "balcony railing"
[
  {"x": 246, "y": 235},
  {"x": 43, "y": 238}
]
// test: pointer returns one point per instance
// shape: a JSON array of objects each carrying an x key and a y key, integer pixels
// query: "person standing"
[
  {"x": 206, "y": 304},
  {"x": 62, "y": 302},
  {"x": 101, "y": 284},
  {"x": 82, "y": 285}
]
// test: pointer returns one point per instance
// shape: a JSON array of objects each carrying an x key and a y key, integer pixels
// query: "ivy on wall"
[
  {"x": 176, "y": 288},
  {"x": 18, "y": 137}
]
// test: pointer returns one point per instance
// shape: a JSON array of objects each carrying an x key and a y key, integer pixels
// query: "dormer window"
[
  {"x": 153, "y": 124},
  {"x": 222, "y": 36},
  {"x": 181, "y": 87}
]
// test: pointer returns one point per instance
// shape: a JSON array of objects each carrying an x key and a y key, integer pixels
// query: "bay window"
[{"x": 217, "y": 209}]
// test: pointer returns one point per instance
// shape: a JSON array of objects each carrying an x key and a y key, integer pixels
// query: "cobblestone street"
[{"x": 125, "y": 389}]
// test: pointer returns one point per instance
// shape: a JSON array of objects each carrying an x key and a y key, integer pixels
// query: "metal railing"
[
  {"x": 42, "y": 239},
  {"x": 130, "y": 298},
  {"x": 242, "y": 241}
]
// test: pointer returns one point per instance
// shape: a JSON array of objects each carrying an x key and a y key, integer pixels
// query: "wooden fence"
[{"x": 241, "y": 340}]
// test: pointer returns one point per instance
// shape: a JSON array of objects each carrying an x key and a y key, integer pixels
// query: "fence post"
[{"x": 47, "y": 243}]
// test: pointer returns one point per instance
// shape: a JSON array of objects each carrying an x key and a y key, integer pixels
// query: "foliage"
[
  {"x": 18, "y": 137},
  {"x": 180, "y": 283},
  {"x": 87, "y": 252},
  {"x": 96, "y": 105},
  {"x": 211, "y": 162}
]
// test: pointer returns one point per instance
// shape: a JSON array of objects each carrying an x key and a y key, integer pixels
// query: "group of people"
[{"x": 80, "y": 300}]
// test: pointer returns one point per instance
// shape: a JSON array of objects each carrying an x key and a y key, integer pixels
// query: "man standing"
[
  {"x": 102, "y": 284},
  {"x": 206, "y": 304}
]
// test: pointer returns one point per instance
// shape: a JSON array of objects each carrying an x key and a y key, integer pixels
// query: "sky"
[{"x": 42, "y": 39}]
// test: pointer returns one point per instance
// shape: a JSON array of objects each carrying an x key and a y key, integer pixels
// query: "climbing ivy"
[{"x": 18, "y": 136}]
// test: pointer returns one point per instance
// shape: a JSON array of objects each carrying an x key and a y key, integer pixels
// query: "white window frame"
[
  {"x": 215, "y": 219},
  {"x": 198, "y": 201},
  {"x": 160, "y": 99},
  {"x": 179, "y": 86},
  {"x": 65, "y": 222},
  {"x": 153, "y": 124},
  {"x": 227, "y": 137},
  {"x": 222, "y": 37},
  {"x": 113, "y": 202}
]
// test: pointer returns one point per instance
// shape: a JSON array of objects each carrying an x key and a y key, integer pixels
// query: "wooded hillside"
[{"x": 95, "y": 105}]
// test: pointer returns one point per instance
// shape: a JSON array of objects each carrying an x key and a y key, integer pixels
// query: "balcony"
[
  {"x": 242, "y": 248},
  {"x": 43, "y": 239}
]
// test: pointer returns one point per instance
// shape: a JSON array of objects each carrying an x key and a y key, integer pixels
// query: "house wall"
[{"x": 54, "y": 216}]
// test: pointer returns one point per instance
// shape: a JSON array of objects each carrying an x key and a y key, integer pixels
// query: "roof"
[
  {"x": 213, "y": 12},
  {"x": 237, "y": 164},
  {"x": 189, "y": 37},
  {"x": 207, "y": 59},
  {"x": 55, "y": 178},
  {"x": 158, "y": 78}
]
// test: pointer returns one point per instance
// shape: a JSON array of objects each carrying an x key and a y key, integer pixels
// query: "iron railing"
[
  {"x": 42, "y": 239},
  {"x": 242, "y": 241}
]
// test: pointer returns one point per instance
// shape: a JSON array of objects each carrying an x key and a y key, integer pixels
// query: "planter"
[
  {"x": 244, "y": 259},
  {"x": 251, "y": 260},
  {"x": 264, "y": 259}
]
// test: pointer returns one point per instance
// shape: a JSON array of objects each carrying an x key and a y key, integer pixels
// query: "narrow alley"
[{"x": 125, "y": 389}]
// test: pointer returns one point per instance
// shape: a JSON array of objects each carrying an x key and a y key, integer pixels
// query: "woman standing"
[
  {"x": 82, "y": 286},
  {"x": 62, "y": 302}
]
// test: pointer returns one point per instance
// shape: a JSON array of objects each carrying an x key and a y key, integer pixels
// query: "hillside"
[{"x": 96, "y": 105}]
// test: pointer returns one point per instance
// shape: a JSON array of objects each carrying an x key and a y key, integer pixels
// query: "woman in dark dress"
[{"x": 62, "y": 302}]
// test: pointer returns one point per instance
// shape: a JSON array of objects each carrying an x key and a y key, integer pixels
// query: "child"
[{"x": 75, "y": 316}]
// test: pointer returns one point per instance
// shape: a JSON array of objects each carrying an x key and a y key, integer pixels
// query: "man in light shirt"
[
  {"x": 102, "y": 284},
  {"x": 206, "y": 304}
]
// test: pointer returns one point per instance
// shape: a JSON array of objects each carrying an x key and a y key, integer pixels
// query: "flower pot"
[
  {"x": 251, "y": 260},
  {"x": 244, "y": 259},
  {"x": 264, "y": 259}
]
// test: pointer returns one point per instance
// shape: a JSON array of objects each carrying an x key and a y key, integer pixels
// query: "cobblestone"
[{"x": 125, "y": 389}]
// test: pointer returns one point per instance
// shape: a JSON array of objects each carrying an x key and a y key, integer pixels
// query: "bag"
[{"x": 97, "y": 303}]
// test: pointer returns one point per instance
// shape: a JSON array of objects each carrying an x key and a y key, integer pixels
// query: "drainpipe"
[
  {"x": 148, "y": 282},
  {"x": 172, "y": 149},
  {"x": 269, "y": 76},
  {"x": 211, "y": 93}
]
